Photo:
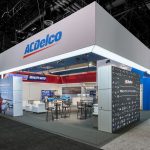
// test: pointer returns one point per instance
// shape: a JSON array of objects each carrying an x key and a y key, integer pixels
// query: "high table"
[
  {"x": 57, "y": 105},
  {"x": 85, "y": 106}
]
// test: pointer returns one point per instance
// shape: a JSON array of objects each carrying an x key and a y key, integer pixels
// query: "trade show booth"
[{"x": 77, "y": 76}]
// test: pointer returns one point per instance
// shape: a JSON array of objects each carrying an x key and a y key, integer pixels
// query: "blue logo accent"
[{"x": 42, "y": 43}]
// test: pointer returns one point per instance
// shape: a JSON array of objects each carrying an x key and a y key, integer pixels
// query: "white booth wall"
[
  {"x": 77, "y": 97},
  {"x": 32, "y": 90}
]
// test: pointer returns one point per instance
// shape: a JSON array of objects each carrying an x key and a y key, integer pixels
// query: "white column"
[
  {"x": 104, "y": 77},
  {"x": 2, "y": 76}
]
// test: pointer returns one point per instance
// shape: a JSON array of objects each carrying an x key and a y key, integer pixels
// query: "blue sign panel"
[{"x": 37, "y": 78}]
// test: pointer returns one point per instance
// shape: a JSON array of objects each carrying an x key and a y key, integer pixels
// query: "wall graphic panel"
[
  {"x": 118, "y": 98},
  {"x": 11, "y": 93},
  {"x": 125, "y": 98},
  {"x": 71, "y": 90}
]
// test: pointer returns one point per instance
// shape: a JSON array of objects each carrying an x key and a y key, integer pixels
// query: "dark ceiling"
[{"x": 20, "y": 19}]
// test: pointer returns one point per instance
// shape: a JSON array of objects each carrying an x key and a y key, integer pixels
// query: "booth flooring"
[
  {"x": 73, "y": 128},
  {"x": 18, "y": 136},
  {"x": 76, "y": 129}
]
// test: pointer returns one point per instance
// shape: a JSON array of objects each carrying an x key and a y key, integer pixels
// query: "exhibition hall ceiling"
[
  {"x": 77, "y": 64},
  {"x": 20, "y": 19}
]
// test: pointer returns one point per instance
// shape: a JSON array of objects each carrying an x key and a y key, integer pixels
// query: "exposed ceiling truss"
[{"x": 20, "y": 19}]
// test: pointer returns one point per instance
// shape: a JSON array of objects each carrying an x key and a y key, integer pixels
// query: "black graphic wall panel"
[{"x": 125, "y": 98}]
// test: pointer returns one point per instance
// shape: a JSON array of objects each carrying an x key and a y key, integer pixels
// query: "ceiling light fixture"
[
  {"x": 115, "y": 57},
  {"x": 72, "y": 69},
  {"x": 94, "y": 49}
]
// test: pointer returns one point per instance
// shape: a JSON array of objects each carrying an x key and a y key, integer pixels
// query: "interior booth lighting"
[
  {"x": 110, "y": 55},
  {"x": 94, "y": 49},
  {"x": 52, "y": 59}
]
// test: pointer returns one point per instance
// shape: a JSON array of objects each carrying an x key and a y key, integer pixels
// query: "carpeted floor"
[
  {"x": 18, "y": 136},
  {"x": 138, "y": 138}
]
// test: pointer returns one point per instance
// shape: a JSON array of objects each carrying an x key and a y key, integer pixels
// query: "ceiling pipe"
[
  {"x": 74, "y": 7},
  {"x": 42, "y": 15},
  {"x": 79, "y": 7},
  {"x": 59, "y": 4},
  {"x": 31, "y": 22},
  {"x": 115, "y": 4}
]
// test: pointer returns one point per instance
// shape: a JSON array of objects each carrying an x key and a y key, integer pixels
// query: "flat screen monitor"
[{"x": 46, "y": 93}]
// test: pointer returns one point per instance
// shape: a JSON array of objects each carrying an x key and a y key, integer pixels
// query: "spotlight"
[
  {"x": 107, "y": 61},
  {"x": 60, "y": 61},
  {"x": 43, "y": 73}
]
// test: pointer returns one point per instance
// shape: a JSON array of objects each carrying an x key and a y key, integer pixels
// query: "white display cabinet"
[
  {"x": 105, "y": 102},
  {"x": 105, "y": 120}
]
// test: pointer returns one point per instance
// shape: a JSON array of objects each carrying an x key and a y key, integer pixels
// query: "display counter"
[
  {"x": 95, "y": 109},
  {"x": 75, "y": 100},
  {"x": 83, "y": 99},
  {"x": 35, "y": 106},
  {"x": 95, "y": 116}
]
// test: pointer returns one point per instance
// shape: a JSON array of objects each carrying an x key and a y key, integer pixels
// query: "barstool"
[
  {"x": 50, "y": 110},
  {"x": 57, "y": 109},
  {"x": 80, "y": 109},
  {"x": 66, "y": 109},
  {"x": 89, "y": 109}
]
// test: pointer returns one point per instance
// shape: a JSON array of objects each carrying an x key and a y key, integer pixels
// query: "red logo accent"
[{"x": 38, "y": 51}]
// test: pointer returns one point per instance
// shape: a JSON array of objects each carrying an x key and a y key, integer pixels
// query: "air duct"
[
  {"x": 57, "y": 6},
  {"x": 33, "y": 21},
  {"x": 148, "y": 5},
  {"x": 115, "y": 4},
  {"x": 36, "y": 19}
]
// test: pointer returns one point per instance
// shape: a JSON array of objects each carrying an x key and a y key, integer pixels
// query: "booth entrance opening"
[
  {"x": 74, "y": 97},
  {"x": 65, "y": 88}
]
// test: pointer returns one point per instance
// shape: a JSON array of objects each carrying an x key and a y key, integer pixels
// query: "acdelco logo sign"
[
  {"x": 128, "y": 82},
  {"x": 42, "y": 44}
]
